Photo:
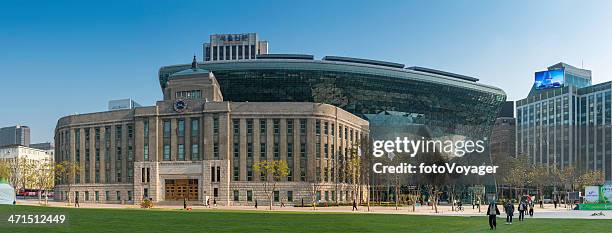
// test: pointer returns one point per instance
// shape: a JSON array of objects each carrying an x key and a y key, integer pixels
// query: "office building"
[
  {"x": 15, "y": 135},
  {"x": 242, "y": 46},
  {"x": 566, "y": 121}
]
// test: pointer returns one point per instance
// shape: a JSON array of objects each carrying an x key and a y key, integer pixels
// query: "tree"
[
  {"x": 277, "y": 170},
  {"x": 590, "y": 178},
  {"x": 44, "y": 178},
  {"x": 5, "y": 170},
  {"x": 26, "y": 172},
  {"x": 65, "y": 173}
]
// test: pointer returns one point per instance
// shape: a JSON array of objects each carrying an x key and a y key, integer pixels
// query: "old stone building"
[{"x": 194, "y": 145}]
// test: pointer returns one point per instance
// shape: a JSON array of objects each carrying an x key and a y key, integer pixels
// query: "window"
[
  {"x": 249, "y": 173},
  {"x": 276, "y": 126},
  {"x": 166, "y": 129},
  {"x": 166, "y": 152},
  {"x": 262, "y": 151},
  {"x": 303, "y": 150},
  {"x": 325, "y": 129},
  {"x": 276, "y": 151},
  {"x": 318, "y": 127},
  {"x": 250, "y": 127},
  {"x": 195, "y": 152},
  {"x": 236, "y": 150},
  {"x": 145, "y": 152},
  {"x": 107, "y": 195},
  {"x": 236, "y": 195},
  {"x": 97, "y": 196},
  {"x": 118, "y": 195},
  {"x": 195, "y": 127},
  {"x": 249, "y": 150},
  {"x": 276, "y": 196},
  {"x": 290, "y": 127},
  {"x": 236, "y": 173},
  {"x": 216, "y": 150},
  {"x": 192, "y": 94},
  {"x": 262, "y": 127},
  {"x": 216, "y": 192},
  {"x": 86, "y": 195},
  {"x": 249, "y": 195},
  {"x": 302, "y": 126},
  {"x": 289, "y": 150},
  {"x": 181, "y": 127},
  {"x": 129, "y": 195},
  {"x": 216, "y": 124},
  {"x": 145, "y": 126},
  {"x": 218, "y": 174},
  {"x": 236, "y": 126},
  {"x": 289, "y": 196},
  {"x": 181, "y": 152}
]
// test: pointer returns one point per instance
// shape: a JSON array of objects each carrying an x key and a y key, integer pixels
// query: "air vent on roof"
[
  {"x": 444, "y": 73},
  {"x": 363, "y": 61},
  {"x": 286, "y": 56}
]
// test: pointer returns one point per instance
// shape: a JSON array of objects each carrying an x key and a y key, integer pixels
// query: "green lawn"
[{"x": 140, "y": 220}]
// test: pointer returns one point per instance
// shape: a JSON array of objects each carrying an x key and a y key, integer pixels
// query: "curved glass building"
[{"x": 447, "y": 104}]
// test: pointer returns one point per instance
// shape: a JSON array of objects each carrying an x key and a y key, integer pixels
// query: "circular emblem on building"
[{"x": 180, "y": 105}]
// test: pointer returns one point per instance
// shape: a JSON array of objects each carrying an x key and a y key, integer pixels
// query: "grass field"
[{"x": 159, "y": 220}]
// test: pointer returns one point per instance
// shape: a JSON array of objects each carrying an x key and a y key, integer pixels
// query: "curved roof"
[{"x": 332, "y": 65}]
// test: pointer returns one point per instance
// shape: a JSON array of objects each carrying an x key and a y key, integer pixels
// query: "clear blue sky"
[{"x": 64, "y": 57}]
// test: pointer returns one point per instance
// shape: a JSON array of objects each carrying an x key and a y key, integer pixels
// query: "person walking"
[
  {"x": 215, "y": 202},
  {"x": 531, "y": 210},
  {"x": 522, "y": 207},
  {"x": 255, "y": 204},
  {"x": 354, "y": 205},
  {"x": 184, "y": 203},
  {"x": 282, "y": 204},
  {"x": 76, "y": 201},
  {"x": 208, "y": 202},
  {"x": 492, "y": 212},
  {"x": 509, "y": 208}
]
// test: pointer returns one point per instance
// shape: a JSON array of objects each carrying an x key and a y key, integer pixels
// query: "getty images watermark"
[{"x": 456, "y": 148}]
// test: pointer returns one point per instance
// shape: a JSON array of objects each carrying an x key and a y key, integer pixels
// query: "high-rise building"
[
  {"x": 503, "y": 135},
  {"x": 15, "y": 135},
  {"x": 234, "y": 47},
  {"x": 567, "y": 121}
]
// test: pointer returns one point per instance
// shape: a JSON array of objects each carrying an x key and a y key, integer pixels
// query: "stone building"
[{"x": 194, "y": 145}]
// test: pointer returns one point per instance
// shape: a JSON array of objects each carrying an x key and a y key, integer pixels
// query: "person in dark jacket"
[
  {"x": 184, "y": 203},
  {"x": 509, "y": 209},
  {"x": 522, "y": 207},
  {"x": 531, "y": 209},
  {"x": 492, "y": 212}
]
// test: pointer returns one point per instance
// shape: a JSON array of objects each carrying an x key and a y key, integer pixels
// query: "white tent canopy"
[{"x": 7, "y": 194}]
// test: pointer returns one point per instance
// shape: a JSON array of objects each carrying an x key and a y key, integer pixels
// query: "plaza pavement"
[{"x": 547, "y": 212}]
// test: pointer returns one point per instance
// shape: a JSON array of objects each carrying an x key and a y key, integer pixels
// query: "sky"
[{"x": 63, "y": 57}]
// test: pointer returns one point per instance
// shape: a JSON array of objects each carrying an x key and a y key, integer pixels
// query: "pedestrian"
[
  {"x": 522, "y": 207},
  {"x": 509, "y": 208},
  {"x": 184, "y": 203},
  {"x": 76, "y": 201},
  {"x": 492, "y": 212},
  {"x": 531, "y": 210},
  {"x": 255, "y": 204},
  {"x": 208, "y": 202},
  {"x": 215, "y": 202},
  {"x": 302, "y": 202},
  {"x": 354, "y": 205},
  {"x": 282, "y": 204},
  {"x": 541, "y": 203},
  {"x": 555, "y": 202}
]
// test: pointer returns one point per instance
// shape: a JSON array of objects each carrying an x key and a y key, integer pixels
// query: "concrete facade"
[{"x": 128, "y": 155}]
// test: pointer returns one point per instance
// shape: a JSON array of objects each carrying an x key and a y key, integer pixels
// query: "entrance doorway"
[{"x": 177, "y": 189}]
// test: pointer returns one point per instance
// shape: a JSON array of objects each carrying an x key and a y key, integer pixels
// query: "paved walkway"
[{"x": 547, "y": 212}]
